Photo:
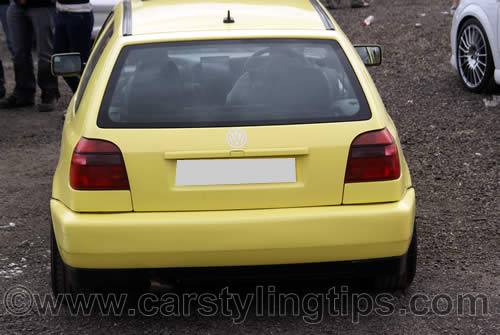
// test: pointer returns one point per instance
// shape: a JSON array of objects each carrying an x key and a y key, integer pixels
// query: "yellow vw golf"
[{"x": 228, "y": 137}]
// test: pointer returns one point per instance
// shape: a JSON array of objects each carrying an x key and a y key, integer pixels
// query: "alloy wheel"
[{"x": 472, "y": 56}]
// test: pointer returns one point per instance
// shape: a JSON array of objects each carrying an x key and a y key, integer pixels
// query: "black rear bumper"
[{"x": 262, "y": 273}]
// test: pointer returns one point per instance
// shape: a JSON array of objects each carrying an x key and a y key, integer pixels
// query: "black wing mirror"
[
  {"x": 67, "y": 65},
  {"x": 370, "y": 54}
]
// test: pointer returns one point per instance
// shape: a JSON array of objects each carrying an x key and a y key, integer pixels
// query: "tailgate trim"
[{"x": 272, "y": 152}]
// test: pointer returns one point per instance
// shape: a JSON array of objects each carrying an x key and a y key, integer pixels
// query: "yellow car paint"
[
  {"x": 224, "y": 238},
  {"x": 159, "y": 225},
  {"x": 194, "y": 15}
]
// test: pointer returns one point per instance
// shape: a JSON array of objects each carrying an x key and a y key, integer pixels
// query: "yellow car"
[{"x": 232, "y": 135}]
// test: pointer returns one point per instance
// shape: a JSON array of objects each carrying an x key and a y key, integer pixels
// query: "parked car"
[
  {"x": 228, "y": 138},
  {"x": 475, "y": 44},
  {"x": 101, "y": 8}
]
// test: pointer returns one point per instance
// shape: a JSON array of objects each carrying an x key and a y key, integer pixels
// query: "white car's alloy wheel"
[{"x": 474, "y": 56}]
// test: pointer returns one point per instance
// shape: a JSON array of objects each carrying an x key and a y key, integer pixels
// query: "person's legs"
[
  {"x": 3, "y": 20},
  {"x": 43, "y": 25},
  {"x": 80, "y": 33},
  {"x": 21, "y": 34},
  {"x": 5, "y": 26},
  {"x": 2, "y": 81},
  {"x": 62, "y": 42},
  {"x": 73, "y": 34}
]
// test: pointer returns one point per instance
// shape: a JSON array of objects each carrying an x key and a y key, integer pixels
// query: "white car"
[
  {"x": 475, "y": 44},
  {"x": 102, "y": 8}
]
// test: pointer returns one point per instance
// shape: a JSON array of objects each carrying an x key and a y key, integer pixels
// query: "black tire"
[
  {"x": 403, "y": 277},
  {"x": 487, "y": 82},
  {"x": 58, "y": 273}
]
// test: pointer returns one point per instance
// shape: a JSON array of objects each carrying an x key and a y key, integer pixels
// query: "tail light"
[
  {"x": 98, "y": 165},
  {"x": 373, "y": 157}
]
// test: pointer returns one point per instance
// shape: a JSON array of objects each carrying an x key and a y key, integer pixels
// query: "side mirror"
[
  {"x": 370, "y": 54},
  {"x": 66, "y": 65}
]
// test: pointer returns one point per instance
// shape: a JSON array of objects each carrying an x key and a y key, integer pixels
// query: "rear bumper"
[
  {"x": 234, "y": 238},
  {"x": 123, "y": 278}
]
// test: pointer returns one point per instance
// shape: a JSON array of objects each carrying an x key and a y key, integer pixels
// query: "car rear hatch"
[
  {"x": 285, "y": 166},
  {"x": 234, "y": 125}
]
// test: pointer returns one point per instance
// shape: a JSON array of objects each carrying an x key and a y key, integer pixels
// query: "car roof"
[{"x": 170, "y": 16}]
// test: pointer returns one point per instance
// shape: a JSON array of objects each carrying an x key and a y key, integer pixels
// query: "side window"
[{"x": 103, "y": 39}]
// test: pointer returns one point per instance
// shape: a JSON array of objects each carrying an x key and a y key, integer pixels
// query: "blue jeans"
[
  {"x": 3, "y": 20},
  {"x": 5, "y": 26},
  {"x": 24, "y": 24},
  {"x": 74, "y": 34}
]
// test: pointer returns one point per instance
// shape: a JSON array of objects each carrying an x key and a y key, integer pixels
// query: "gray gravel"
[{"x": 450, "y": 140}]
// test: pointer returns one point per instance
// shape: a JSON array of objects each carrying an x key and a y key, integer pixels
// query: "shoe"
[
  {"x": 359, "y": 3},
  {"x": 47, "y": 105},
  {"x": 13, "y": 102}
]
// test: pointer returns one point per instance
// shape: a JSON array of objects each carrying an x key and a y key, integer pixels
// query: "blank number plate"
[{"x": 203, "y": 172}]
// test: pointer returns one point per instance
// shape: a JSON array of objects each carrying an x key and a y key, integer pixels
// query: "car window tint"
[
  {"x": 232, "y": 83},
  {"x": 101, "y": 43}
]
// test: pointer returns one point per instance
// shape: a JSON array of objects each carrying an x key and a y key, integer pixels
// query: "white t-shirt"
[{"x": 77, "y": 8}]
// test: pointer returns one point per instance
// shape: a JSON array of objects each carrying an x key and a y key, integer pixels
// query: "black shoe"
[
  {"x": 47, "y": 105},
  {"x": 359, "y": 3},
  {"x": 13, "y": 102}
]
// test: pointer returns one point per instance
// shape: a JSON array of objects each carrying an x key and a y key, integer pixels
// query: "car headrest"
[
  {"x": 282, "y": 85},
  {"x": 155, "y": 91}
]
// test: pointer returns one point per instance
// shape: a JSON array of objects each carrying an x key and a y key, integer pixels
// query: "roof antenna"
[{"x": 228, "y": 19}]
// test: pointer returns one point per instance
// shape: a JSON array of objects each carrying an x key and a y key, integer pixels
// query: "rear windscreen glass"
[{"x": 232, "y": 83}]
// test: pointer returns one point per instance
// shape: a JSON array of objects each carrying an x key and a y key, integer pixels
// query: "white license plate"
[{"x": 203, "y": 172}]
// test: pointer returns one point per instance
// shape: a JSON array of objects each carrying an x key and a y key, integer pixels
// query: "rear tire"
[
  {"x": 60, "y": 281},
  {"x": 474, "y": 57},
  {"x": 403, "y": 277}
]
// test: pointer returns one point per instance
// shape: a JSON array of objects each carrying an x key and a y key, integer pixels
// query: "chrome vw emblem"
[{"x": 236, "y": 138}]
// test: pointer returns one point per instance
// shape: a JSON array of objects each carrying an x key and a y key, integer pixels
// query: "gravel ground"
[{"x": 450, "y": 140}]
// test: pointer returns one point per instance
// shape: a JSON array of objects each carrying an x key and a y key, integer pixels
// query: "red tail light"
[
  {"x": 373, "y": 157},
  {"x": 98, "y": 165}
]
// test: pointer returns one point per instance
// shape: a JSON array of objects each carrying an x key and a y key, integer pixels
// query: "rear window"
[{"x": 232, "y": 83}]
